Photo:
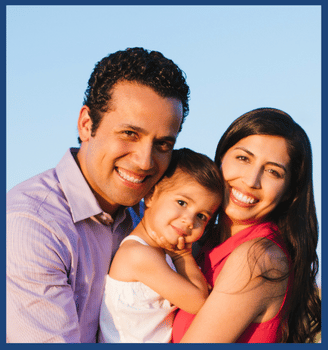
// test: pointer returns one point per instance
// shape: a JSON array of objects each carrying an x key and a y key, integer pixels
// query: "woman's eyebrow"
[
  {"x": 271, "y": 163},
  {"x": 245, "y": 150}
]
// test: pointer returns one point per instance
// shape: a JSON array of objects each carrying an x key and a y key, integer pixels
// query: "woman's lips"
[{"x": 242, "y": 199}]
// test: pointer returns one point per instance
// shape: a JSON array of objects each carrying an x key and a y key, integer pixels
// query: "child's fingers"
[
  {"x": 181, "y": 243},
  {"x": 163, "y": 243}
]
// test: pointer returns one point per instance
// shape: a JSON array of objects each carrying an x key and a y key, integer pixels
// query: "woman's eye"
[
  {"x": 182, "y": 203},
  {"x": 275, "y": 173},
  {"x": 242, "y": 158}
]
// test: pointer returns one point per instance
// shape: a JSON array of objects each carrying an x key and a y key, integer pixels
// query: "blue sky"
[{"x": 236, "y": 58}]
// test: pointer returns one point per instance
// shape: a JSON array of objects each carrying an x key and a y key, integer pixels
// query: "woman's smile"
[{"x": 242, "y": 199}]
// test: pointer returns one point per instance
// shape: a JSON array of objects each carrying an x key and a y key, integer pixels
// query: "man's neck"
[{"x": 104, "y": 205}]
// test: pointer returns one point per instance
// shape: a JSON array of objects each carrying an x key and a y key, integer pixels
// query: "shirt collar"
[
  {"x": 82, "y": 201},
  {"x": 83, "y": 204}
]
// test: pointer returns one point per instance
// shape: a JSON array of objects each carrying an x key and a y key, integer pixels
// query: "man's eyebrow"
[
  {"x": 143, "y": 131},
  {"x": 133, "y": 127},
  {"x": 271, "y": 163}
]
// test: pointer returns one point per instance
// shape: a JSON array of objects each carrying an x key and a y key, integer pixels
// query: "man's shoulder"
[{"x": 39, "y": 196}]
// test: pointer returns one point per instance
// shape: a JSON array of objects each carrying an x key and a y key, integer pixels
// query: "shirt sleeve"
[{"x": 40, "y": 300}]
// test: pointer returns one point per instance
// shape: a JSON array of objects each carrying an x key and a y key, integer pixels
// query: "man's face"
[{"x": 132, "y": 146}]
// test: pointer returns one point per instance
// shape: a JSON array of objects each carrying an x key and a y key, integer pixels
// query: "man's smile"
[{"x": 130, "y": 177}]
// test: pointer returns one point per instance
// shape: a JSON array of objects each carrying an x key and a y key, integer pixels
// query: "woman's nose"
[{"x": 252, "y": 177}]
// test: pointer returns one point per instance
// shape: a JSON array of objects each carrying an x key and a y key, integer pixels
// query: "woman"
[{"x": 260, "y": 258}]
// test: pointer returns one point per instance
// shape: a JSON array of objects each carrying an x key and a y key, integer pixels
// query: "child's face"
[{"x": 181, "y": 209}]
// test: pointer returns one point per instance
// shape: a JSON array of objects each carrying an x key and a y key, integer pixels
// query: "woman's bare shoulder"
[{"x": 251, "y": 259}]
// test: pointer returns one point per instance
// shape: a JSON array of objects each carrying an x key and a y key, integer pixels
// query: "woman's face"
[{"x": 256, "y": 171}]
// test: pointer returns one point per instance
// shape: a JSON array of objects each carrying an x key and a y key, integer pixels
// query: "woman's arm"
[
  {"x": 186, "y": 289},
  {"x": 239, "y": 297}
]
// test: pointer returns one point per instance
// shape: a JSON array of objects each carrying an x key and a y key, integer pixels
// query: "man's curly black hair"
[{"x": 146, "y": 67}]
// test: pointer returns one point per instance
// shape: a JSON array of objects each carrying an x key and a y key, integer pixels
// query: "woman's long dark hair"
[{"x": 295, "y": 216}]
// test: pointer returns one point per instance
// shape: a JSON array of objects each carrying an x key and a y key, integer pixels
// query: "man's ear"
[{"x": 84, "y": 124}]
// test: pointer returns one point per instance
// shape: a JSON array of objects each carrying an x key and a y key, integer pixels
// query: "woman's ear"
[{"x": 84, "y": 124}]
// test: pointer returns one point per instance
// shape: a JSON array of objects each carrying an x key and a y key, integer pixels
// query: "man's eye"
[
  {"x": 164, "y": 146},
  {"x": 182, "y": 203},
  {"x": 129, "y": 134}
]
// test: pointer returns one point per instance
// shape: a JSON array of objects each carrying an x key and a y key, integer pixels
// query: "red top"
[{"x": 211, "y": 263}]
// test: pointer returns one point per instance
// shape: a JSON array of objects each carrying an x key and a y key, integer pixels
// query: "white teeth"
[
  {"x": 242, "y": 198},
  {"x": 129, "y": 178}
]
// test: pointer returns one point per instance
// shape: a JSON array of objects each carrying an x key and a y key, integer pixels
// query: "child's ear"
[{"x": 149, "y": 198}]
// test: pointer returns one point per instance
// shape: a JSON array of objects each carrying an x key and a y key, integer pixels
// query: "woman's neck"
[{"x": 229, "y": 228}]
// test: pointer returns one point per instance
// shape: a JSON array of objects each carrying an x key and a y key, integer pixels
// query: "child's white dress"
[{"x": 131, "y": 312}]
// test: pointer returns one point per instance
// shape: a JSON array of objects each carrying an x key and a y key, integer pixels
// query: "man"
[{"x": 65, "y": 225}]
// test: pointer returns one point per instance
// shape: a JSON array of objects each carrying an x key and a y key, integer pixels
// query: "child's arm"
[
  {"x": 187, "y": 289},
  {"x": 187, "y": 267}
]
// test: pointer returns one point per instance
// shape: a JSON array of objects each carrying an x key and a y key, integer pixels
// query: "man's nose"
[{"x": 144, "y": 156}]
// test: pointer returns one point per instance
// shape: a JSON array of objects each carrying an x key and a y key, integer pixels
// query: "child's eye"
[
  {"x": 182, "y": 203},
  {"x": 202, "y": 217}
]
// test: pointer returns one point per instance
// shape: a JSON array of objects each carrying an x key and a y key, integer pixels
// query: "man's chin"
[{"x": 130, "y": 202}]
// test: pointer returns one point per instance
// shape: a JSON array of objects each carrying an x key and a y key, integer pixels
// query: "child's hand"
[
  {"x": 163, "y": 243},
  {"x": 177, "y": 253}
]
